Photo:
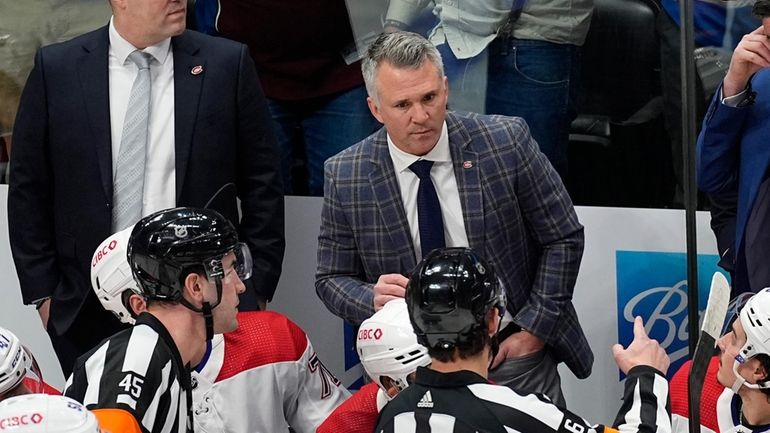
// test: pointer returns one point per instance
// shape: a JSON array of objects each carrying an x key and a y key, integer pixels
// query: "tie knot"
[
  {"x": 422, "y": 168},
  {"x": 140, "y": 59}
]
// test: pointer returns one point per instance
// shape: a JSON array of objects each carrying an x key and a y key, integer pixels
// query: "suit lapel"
[
  {"x": 387, "y": 195},
  {"x": 187, "y": 89},
  {"x": 468, "y": 176},
  {"x": 93, "y": 74}
]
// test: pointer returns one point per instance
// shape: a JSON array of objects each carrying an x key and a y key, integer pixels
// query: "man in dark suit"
[
  {"x": 206, "y": 125},
  {"x": 488, "y": 187},
  {"x": 734, "y": 157}
]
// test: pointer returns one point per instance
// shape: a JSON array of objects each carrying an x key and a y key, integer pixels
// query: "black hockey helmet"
[
  {"x": 164, "y": 247},
  {"x": 448, "y": 297}
]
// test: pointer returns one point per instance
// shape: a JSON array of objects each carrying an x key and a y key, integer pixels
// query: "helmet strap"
[
  {"x": 494, "y": 343},
  {"x": 206, "y": 309},
  {"x": 741, "y": 381},
  {"x": 209, "y": 320}
]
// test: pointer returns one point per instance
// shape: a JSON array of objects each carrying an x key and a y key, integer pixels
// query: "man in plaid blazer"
[{"x": 498, "y": 194}]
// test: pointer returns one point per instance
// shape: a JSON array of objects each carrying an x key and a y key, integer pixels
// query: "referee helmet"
[
  {"x": 168, "y": 245},
  {"x": 449, "y": 295}
]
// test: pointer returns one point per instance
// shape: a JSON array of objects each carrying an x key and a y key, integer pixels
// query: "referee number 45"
[{"x": 132, "y": 385}]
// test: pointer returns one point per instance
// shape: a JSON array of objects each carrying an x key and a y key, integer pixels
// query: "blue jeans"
[
  {"x": 538, "y": 81},
  {"x": 321, "y": 127},
  {"x": 467, "y": 80}
]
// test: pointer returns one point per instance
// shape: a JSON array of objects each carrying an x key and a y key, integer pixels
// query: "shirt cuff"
[{"x": 735, "y": 100}]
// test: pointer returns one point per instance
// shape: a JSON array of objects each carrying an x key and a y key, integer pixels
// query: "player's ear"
[
  {"x": 759, "y": 373},
  {"x": 136, "y": 304},
  {"x": 193, "y": 288},
  {"x": 493, "y": 321}
]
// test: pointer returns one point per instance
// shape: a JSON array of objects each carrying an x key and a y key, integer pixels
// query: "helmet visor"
[
  {"x": 243, "y": 262},
  {"x": 734, "y": 310},
  {"x": 217, "y": 268}
]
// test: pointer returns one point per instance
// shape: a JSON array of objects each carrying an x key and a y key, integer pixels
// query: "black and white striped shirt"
[
  {"x": 463, "y": 401},
  {"x": 140, "y": 371}
]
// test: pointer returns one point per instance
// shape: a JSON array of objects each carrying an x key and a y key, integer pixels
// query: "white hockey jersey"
[
  {"x": 262, "y": 378},
  {"x": 720, "y": 409}
]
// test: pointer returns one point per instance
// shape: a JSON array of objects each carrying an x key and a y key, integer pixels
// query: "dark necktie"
[{"x": 428, "y": 209}]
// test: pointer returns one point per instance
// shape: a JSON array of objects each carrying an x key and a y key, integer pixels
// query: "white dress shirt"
[
  {"x": 443, "y": 176},
  {"x": 160, "y": 168}
]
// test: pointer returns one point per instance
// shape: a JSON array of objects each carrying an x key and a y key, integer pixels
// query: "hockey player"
[
  {"x": 40, "y": 413},
  {"x": 736, "y": 390},
  {"x": 19, "y": 372},
  {"x": 190, "y": 267},
  {"x": 390, "y": 354},
  {"x": 455, "y": 305},
  {"x": 261, "y": 377}
]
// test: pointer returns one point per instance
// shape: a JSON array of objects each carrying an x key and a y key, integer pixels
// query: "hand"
[
  {"x": 517, "y": 345},
  {"x": 641, "y": 351},
  {"x": 389, "y": 287},
  {"x": 751, "y": 54},
  {"x": 44, "y": 311}
]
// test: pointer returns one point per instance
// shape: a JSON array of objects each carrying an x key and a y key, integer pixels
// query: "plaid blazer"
[{"x": 517, "y": 214}]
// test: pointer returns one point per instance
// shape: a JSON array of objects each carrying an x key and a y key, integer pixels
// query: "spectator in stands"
[
  {"x": 732, "y": 154},
  {"x": 24, "y": 28},
  {"x": 432, "y": 178},
  {"x": 533, "y": 59},
  {"x": 718, "y": 27},
  {"x": 309, "y": 67}
]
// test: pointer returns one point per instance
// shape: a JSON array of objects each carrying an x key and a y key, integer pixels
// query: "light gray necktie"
[{"x": 129, "y": 170}]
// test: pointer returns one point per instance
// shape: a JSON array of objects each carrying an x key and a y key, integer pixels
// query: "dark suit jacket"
[
  {"x": 517, "y": 215},
  {"x": 60, "y": 194},
  {"x": 733, "y": 155}
]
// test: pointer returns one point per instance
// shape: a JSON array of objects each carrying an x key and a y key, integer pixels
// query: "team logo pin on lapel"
[
  {"x": 467, "y": 164},
  {"x": 196, "y": 70}
]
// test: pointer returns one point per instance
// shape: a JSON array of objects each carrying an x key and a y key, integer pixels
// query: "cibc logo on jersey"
[{"x": 653, "y": 285}]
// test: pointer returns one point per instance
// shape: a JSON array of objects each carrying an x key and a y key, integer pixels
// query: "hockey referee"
[
  {"x": 455, "y": 305},
  {"x": 191, "y": 268}
]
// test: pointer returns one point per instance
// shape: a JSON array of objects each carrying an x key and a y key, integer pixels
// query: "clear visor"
[
  {"x": 734, "y": 311},
  {"x": 241, "y": 263}
]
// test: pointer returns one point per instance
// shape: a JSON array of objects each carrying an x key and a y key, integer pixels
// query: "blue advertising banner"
[{"x": 653, "y": 285}]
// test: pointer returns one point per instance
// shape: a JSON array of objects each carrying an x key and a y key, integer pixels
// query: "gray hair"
[{"x": 404, "y": 50}]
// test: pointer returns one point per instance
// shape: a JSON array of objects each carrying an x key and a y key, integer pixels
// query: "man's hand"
[
  {"x": 517, "y": 345},
  {"x": 641, "y": 351},
  {"x": 43, "y": 311},
  {"x": 389, "y": 287},
  {"x": 751, "y": 54}
]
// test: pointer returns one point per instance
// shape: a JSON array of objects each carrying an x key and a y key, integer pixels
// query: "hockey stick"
[{"x": 716, "y": 309}]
